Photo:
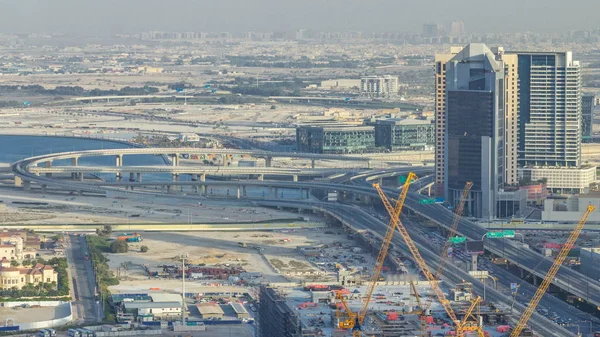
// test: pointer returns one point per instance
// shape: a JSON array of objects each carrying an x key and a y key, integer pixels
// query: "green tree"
[
  {"x": 106, "y": 230},
  {"x": 14, "y": 263},
  {"x": 119, "y": 247},
  {"x": 144, "y": 249}
]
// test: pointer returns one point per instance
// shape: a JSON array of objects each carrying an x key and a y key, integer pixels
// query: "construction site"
[{"x": 399, "y": 296}]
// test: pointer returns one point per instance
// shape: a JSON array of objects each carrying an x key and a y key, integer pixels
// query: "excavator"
[
  {"x": 461, "y": 326},
  {"x": 541, "y": 290}
]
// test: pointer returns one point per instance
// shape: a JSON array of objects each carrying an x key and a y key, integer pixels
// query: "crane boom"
[
  {"x": 417, "y": 256},
  {"x": 355, "y": 321},
  {"x": 385, "y": 245},
  {"x": 551, "y": 273},
  {"x": 451, "y": 233}
]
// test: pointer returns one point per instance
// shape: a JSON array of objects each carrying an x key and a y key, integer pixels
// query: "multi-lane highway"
[
  {"x": 357, "y": 184},
  {"x": 358, "y": 219}
]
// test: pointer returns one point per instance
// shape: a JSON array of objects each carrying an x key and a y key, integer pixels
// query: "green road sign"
[
  {"x": 427, "y": 201},
  {"x": 501, "y": 234},
  {"x": 509, "y": 233},
  {"x": 458, "y": 239}
]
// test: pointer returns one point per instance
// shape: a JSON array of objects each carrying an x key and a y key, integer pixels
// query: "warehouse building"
[
  {"x": 154, "y": 310},
  {"x": 210, "y": 311},
  {"x": 239, "y": 310}
]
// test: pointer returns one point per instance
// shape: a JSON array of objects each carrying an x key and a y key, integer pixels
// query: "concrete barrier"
[
  {"x": 67, "y": 316},
  {"x": 31, "y": 303},
  {"x": 128, "y": 333}
]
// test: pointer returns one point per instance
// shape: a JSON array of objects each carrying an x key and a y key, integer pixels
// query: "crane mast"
[
  {"x": 355, "y": 320},
  {"x": 418, "y": 258},
  {"x": 451, "y": 233},
  {"x": 385, "y": 245},
  {"x": 551, "y": 273}
]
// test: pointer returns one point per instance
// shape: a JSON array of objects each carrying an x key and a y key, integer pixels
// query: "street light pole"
[{"x": 183, "y": 257}]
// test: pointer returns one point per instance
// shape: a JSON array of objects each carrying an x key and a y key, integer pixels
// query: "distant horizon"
[{"x": 110, "y": 17}]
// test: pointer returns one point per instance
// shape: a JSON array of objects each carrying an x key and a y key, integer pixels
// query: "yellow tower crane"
[
  {"x": 551, "y": 274},
  {"x": 460, "y": 331},
  {"x": 355, "y": 320},
  {"x": 451, "y": 233}
]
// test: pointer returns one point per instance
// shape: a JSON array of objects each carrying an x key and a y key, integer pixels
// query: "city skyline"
[{"x": 134, "y": 16}]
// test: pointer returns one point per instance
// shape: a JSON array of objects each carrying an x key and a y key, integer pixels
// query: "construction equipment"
[
  {"x": 551, "y": 273},
  {"x": 421, "y": 262},
  {"x": 470, "y": 322},
  {"x": 355, "y": 320},
  {"x": 451, "y": 233}
]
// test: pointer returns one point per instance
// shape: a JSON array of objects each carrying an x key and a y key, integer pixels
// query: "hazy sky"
[{"x": 116, "y": 16}]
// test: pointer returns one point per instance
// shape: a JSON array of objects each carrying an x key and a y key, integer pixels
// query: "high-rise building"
[
  {"x": 457, "y": 28},
  {"x": 379, "y": 86},
  {"x": 510, "y": 100},
  {"x": 549, "y": 109},
  {"x": 475, "y": 133},
  {"x": 588, "y": 103},
  {"x": 476, "y": 120},
  {"x": 551, "y": 122},
  {"x": 534, "y": 107},
  {"x": 440, "y": 117},
  {"x": 431, "y": 29}
]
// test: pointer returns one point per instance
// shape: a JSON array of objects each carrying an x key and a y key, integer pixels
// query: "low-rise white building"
[
  {"x": 163, "y": 310},
  {"x": 571, "y": 209},
  {"x": 561, "y": 179}
]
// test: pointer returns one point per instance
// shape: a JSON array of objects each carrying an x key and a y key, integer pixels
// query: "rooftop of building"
[
  {"x": 144, "y": 305},
  {"x": 210, "y": 309},
  {"x": 406, "y": 121},
  {"x": 238, "y": 308}
]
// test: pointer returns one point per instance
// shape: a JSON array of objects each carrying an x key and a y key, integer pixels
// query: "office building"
[
  {"x": 440, "y": 117},
  {"x": 275, "y": 317},
  {"x": 404, "y": 134},
  {"x": 431, "y": 29},
  {"x": 588, "y": 103},
  {"x": 478, "y": 81},
  {"x": 335, "y": 139},
  {"x": 457, "y": 29},
  {"x": 561, "y": 180},
  {"x": 476, "y": 127},
  {"x": 549, "y": 110},
  {"x": 379, "y": 86}
]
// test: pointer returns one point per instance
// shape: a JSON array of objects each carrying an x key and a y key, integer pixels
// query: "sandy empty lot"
[
  {"x": 72, "y": 209},
  {"x": 278, "y": 255}
]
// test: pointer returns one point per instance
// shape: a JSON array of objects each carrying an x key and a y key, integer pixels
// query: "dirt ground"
[
  {"x": 278, "y": 256},
  {"x": 71, "y": 209}
]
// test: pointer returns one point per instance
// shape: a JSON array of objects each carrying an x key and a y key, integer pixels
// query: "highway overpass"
[{"x": 530, "y": 261}]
